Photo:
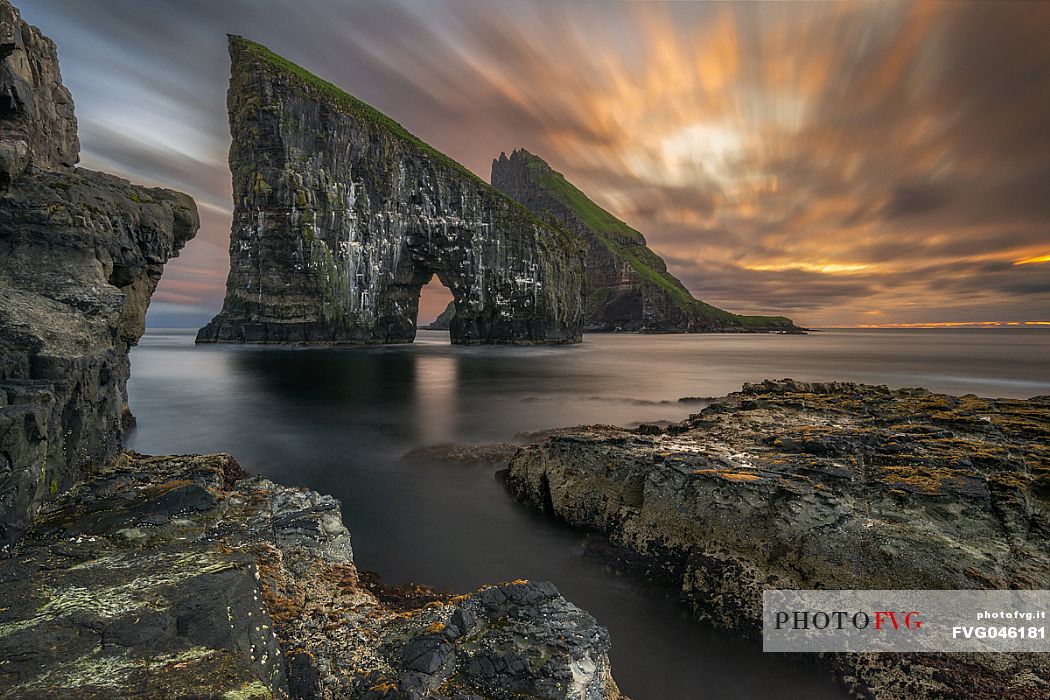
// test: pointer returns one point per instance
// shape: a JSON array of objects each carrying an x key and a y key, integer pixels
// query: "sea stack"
[
  {"x": 341, "y": 216},
  {"x": 628, "y": 287}
]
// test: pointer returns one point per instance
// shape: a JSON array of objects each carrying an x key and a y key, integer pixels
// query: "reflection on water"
[
  {"x": 436, "y": 401},
  {"x": 338, "y": 421}
]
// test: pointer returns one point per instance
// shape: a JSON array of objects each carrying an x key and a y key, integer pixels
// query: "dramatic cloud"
[{"x": 853, "y": 163}]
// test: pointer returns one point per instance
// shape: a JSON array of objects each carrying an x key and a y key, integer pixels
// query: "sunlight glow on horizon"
[{"x": 813, "y": 160}]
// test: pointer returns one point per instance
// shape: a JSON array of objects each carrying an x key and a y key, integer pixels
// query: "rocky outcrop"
[
  {"x": 837, "y": 486},
  {"x": 628, "y": 287},
  {"x": 169, "y": 577},
  {"x": 39, "y": 128},
  {"x": 80, "y": 255},
  {"x": 341, "y": 216}
]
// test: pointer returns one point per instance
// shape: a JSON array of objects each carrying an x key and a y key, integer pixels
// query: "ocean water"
[{"x": 340, "y": 421}]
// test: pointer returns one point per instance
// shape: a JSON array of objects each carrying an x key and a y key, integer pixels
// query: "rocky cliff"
[
  {"x": 444, "y": 320},
  {"x": 628, "y": 287},
  {"x": 341, "y": 216},
  {"x": 830, "y": 486},
  {"x": 80, "y": 255},
  {"x": 36, "y": 110}
]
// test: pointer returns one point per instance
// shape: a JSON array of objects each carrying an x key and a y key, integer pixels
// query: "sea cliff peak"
[
  {"x": 341, "y": 215},
  {"x": 628, "y": 286}
]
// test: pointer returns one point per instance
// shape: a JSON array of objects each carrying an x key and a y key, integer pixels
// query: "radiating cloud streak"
[{"x": 836, "y": 162}]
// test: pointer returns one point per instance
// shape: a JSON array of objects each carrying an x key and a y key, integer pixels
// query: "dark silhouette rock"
[
  {"x": 444, "y": 320},
  {"x": 341, "y": 216},
  {"x": 628, "y": 287}
]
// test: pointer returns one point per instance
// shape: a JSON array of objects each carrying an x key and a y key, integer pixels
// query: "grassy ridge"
[{"x": 629, "y": 245}]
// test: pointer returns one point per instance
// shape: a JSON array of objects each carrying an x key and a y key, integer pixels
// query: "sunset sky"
[{"x": 842, "y": 164}]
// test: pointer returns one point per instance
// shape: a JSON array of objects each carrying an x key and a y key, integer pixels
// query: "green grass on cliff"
[
  {"x": 629, "y": 245},
  {"x": 358, "y": 108},
  {"x": 592, "y": 215},
  {"x": 367, "y": 113}
]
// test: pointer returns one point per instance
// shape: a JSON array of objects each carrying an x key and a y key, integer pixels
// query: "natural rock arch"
[{"x": 341, "y": 216}]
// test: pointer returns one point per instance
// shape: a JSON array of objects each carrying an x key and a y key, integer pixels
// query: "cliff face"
[
  {"x": 80, "y": 255},
  {"x": 628, "y": 287},
  {"x": 341, "y": 216},
  {"x": 35, "y": 108}
]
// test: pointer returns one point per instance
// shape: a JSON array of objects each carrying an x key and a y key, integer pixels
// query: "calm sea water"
[{"x": 340, "y": 420}]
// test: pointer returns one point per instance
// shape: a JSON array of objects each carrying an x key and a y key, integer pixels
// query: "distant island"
[{"x": 627, "y": 286}]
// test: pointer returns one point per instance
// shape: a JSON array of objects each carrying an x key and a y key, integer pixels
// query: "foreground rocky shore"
[
  {"x": 184, "y": 577},
  {"x": 802, "y": 485}
]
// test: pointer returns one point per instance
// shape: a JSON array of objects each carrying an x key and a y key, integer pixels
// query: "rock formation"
[
  {"x": 35, "y": 108},
  {"x": 628, "y": 287},
  {"x": 80, "y": 255},
  {"x": 341, "y": 216},
  {"x": 126, "y": 576},
  {"x": 166, "y": 577},
  {"x": 835, "y": 486},
  {"x": 444, "y": 320}
]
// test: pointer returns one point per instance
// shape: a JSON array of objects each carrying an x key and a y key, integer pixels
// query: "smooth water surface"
[{"x": 339, "y": 421}]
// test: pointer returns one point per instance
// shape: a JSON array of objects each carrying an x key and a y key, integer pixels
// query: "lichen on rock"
[
  {"x": 184, "y": 577},
  {"x": 341, "y": 216},
  {"x": 821, "y": 486}
]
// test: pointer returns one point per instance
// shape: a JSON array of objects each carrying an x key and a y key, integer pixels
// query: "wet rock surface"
[
  {"x": 341, "y": 216},
  {"x": 184, "y": 577},
  {"x": 80, "y": 254},
  {"x": 628, "y": 287},
  {"x": 806, "y": 485}
]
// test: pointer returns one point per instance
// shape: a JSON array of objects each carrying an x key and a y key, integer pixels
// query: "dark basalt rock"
[
  {"x": 341, "y": 216},
  {"x": 165, "y": 577},
  {"x": 80, "y": 255},
  {"x": 628, "y": 287},
  {"x": 822, "y": 485},
  {"x": 36, "y": 110}
]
